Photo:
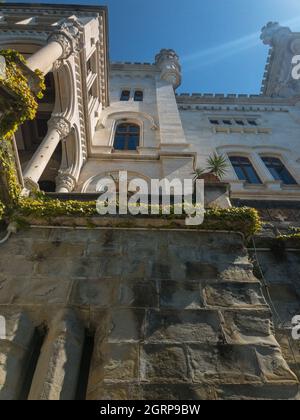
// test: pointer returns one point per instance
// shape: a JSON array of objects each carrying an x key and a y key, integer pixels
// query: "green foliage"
[
  {"x": 217, "y": 165},
  {"x": 198, "y": 173},
  {"x": 2, "y": 210},
  {"x": 22, "y": 103},
  {"x": 292, "y": 240},
  {"x": 238, "y": 219}
]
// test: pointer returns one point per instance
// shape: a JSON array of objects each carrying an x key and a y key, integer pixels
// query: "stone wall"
[
  {"x": 171, "y": 315},
  {"x": 280, "y": 271}
]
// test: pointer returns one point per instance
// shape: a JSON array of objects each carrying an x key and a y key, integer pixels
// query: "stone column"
[
  {"x": 59, "y": 128},
  {"x": 57, "y": 371},
  {"x": 65, "y": 183},
  {"x": 15, "y": 351},
  {"x": 61, "y": 44}
]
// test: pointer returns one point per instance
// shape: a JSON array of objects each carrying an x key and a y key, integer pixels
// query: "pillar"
[
  {"x": 61, "y": 44},
  {"x": 59, "y": 128},
  {"x": 57, "y": 372}
]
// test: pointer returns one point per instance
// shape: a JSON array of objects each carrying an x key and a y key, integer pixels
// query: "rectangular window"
[
  {"x": 252, "y": 122},
  {"x": 214, "y": 122},
  {"x": 239, "y": 122},
  {"x": 125, "y": 96},
  {"x": 227, "y": 122},
  {"x": 138, "y": 96},
  {"x": 245, "y": 170},
  {"x": 278, "y": 170}
]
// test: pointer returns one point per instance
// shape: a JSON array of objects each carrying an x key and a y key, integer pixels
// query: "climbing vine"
[{"x": 18, "y": 102}]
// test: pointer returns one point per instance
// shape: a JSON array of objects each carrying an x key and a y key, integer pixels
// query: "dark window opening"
[
  {"x": 89, "y": 67},
  {"x": 214, "y": 122},
  {"x": 245, "y": 170},
  {"x": 240, "y": 122},
  {"x": 85, "y": 366},
  {"x": 49, "y": 93},
  {"x": 252, "y": 122},
  {"x": 278, "y": 170},
  {"x": 127, "y": 137},
  {"x": 47, "y": 186},
  {"x": 138, "y": 96},
  {"x": 32, "y": 361},
  {"x": 125, "y": 95},
  {"x": 227, "y": 122}
]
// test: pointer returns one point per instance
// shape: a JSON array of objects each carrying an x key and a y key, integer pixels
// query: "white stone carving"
[{"x": 65, "y": 182}]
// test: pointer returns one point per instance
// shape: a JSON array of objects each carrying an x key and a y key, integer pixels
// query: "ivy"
[
  {"x": 20, "y": 103},
  {"x": 2, "y": 210}
]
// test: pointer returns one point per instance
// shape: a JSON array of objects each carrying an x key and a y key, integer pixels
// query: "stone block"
[
  {"x": 138, "y": 294},
  {"x": 126, "y": 325},
  {"x": 201, "y": 271},
  {"x": 273, "y": 367},
  {"x": 248, "y": 327},
  {"x": 95, "y": 292},
  {"x": 234, "y": 295},
  {"x": 184, "y": 295},
  {"x": 116, "y": 363},
  {"x": 223, "y": 364},
  {"x": 163, "y": 363},
  {"x": 183, "y": 327}
]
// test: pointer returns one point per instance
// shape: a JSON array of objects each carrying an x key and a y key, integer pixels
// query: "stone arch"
[{"x": 90, "y": 186}]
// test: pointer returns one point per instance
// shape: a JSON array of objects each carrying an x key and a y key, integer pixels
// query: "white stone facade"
[{"x": 177, "y": 132}]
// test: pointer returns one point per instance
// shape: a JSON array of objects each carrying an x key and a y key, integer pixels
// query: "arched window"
[
  {"x": 244, "y": 169},
  {"x": 127, "y": 136},
  {"x": 278, "y": 170}
]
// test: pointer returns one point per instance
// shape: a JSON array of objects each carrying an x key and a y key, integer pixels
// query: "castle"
[{"x": 116, "y": 312}]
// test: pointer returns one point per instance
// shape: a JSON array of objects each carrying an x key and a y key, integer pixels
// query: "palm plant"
[
  {"x": 217, "y": 165},
  {"x": 198, "y": 173}
]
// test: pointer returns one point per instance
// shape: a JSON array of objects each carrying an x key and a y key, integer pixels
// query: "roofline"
[{"x": 75, "y": 7}]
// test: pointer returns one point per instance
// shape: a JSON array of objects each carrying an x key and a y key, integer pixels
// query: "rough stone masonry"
[{"x": 173, "y": 315}]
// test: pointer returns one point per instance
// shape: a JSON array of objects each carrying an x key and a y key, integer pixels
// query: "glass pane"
[
  {"x": 125, "y": 95},
  {"x": 133, "y": 142},
  {"x": 240, "y": 174},
  {"x": 122, "y": 128},
  {"x": 215, "y": 122},
  {"x": 240, "y": 122},
  {"x": 227, "y": 122},
  {"x": 251, "y": 175},
  {"x": 274, "y": 173},
  {"x": 134, "y": 129},
  {"x": 286, "y": 177},
  {"x": 119, "y": 142},
  {"x": 138, "y": 96}
]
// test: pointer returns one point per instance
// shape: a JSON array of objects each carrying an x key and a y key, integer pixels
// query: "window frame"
[
  {"x": 138, "y": 91},
  {"x": 275, "y": 174},
  {"x": 121, "y": 95},
  {"x": 127, "y": 134},
  {"x": 242, "y": 166}
]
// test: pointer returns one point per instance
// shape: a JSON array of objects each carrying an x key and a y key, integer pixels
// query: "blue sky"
[{"x": 217, "y": 40}]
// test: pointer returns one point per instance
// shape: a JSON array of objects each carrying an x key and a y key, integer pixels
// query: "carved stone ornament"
[
  {"x": 67, "y": 35},
  {"x": 65, "y": 181},
  {"x": 60, "y": 124}
]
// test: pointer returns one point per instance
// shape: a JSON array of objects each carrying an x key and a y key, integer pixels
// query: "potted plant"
[{"x": 215, "y": 170}]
